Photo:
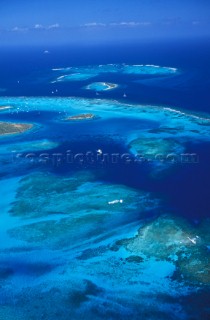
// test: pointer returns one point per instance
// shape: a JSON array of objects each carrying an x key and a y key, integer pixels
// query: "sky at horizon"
[{"x": 55, "y": 22}]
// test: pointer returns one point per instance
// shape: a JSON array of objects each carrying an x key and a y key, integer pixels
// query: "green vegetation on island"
[{"x": 7, "y": 128}]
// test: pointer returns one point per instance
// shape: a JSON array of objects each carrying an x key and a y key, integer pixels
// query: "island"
[
  {"x": 101, "y": 86},
  {"x": 7, "y": 128},
  {"x": 84, "y": 116}
]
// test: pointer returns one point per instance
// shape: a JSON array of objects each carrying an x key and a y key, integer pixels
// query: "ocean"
[{"x": 105, "y": 201}]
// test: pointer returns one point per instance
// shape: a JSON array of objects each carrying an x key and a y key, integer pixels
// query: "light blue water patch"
[
  {"x": 120, "y": 68},
  {"x": 91, "y": 69},
  {"x": 75, "y": 77},
  {"x": 8, "y": 188},
  {"x": 84, "y": 73},
  {"x": 148, "y": 70}
]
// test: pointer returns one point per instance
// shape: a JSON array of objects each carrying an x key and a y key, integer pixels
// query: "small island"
[
  {"x": 84, "y": 116},
  {"x": 101, "y": 86},
  {"x": 7, "y": 128}
]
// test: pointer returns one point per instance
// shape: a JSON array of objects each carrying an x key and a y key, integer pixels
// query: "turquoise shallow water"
[
  {"x": 84, "y": 73},
  {"x": 93, "y": 224}
]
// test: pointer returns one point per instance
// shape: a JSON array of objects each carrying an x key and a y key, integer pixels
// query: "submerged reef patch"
[
  {"x": 82, "y": 207},
  {"x": 150, "y": 147},
  {"x": 34, "y": 145},
  {"x": 85, "y": 73},
  {"x": 173, "y": 239},
  {"x": 161, "y": 153},
  {"x": 74, "y": 77}
]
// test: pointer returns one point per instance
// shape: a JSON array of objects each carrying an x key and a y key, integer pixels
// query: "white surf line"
[{"x": 185, "y": 113}]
